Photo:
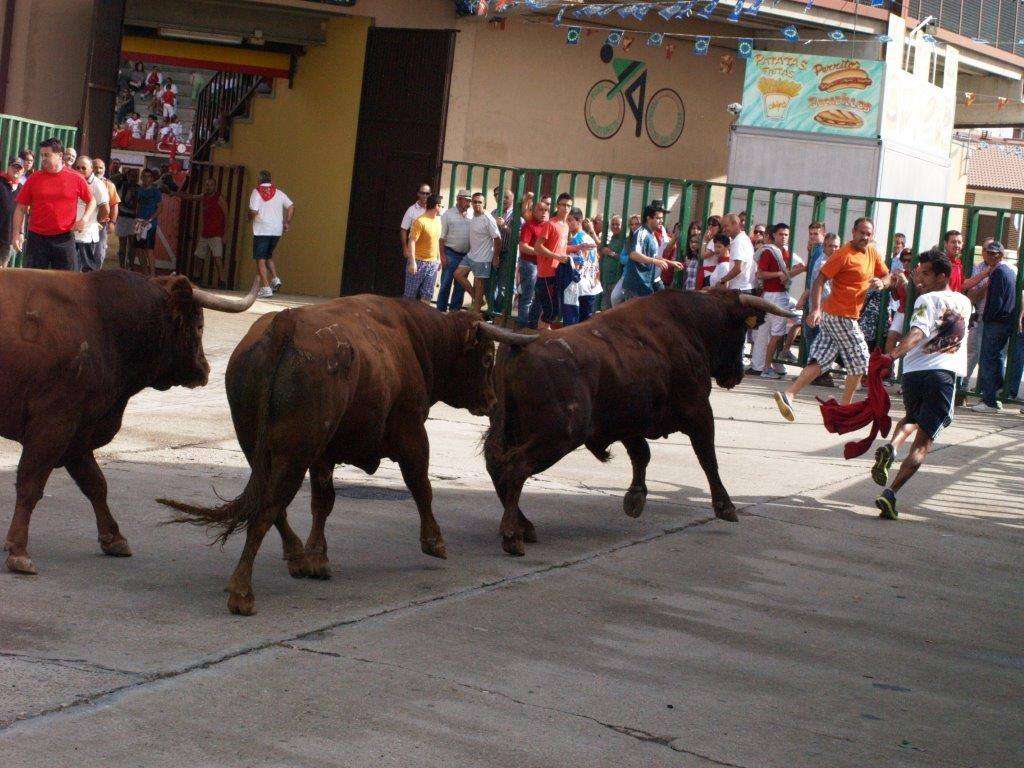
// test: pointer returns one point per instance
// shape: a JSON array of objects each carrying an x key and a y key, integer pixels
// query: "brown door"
[
  {"x": 97, "y": 120},
  {"x": 402, "y": 119}
]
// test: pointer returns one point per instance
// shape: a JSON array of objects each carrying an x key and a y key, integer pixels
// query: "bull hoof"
[
  {"x": 434, "y": 547},
  {"x": 728, "y": 513},
  {"x": 530, "y": 535},
  {"x": 21, "y": 564},
  {"x": 298, "y": 568},
  {"x": 513, "y": 545},
  {"x": 115, "y": 546},
  {"x": 242, "y": 605},
  {"x": 633, "y": 502},
  {"x": 318, "y": 567}
]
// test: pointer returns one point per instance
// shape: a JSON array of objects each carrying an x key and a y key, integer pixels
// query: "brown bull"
[
  {"x": 636, "y": 373},
  {"x": 74, "y": 348},
  {"x": 350, "y": 381}
]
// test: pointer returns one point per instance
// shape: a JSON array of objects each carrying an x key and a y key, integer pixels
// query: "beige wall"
[
  {"x": 518, "y": 99},
  {"x": 43, "y": 85},
  {"x": 306, "y": 137}
]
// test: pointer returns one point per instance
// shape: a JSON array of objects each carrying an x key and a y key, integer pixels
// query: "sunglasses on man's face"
[{"x": 758, "y": 231}]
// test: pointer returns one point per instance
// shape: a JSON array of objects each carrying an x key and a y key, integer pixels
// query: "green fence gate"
[{"x": 17, "y": 133}]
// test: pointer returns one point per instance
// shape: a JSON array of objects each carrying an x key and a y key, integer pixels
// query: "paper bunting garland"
[
  {"x": 614, "y": 38},
  {"x": 809, "y": 6},
  {"x": 725, "y": 63},
  {"x": 707, "y": 10},
  {"x": 572, "y": 36},
  {"x": 701, "y": 43},
  {"x": 627, "y": 42},
  {"x": 837, "y": 35},
  {"x": 930, "y": 39},
  {"x": 753, "y": 9},
  {"x": 790, "y": 33},
  {"x": 745, "y": 47},
  {"x": 734, "y": 17},
  {"x": 1000, "y": 102},
  {"x": 655, "y": 38},
  {"x": 969, "y": 98},
  {"x": 884, "y": 39},
  {"x": 558, "y": 18}
]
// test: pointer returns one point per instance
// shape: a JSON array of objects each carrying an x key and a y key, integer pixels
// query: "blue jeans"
[
  {"x": 527, "y": 287},
  {"x": 1016, "y": 371},
  {"x": 992, "y": 359},
  {"x": 450, "y": 297}
]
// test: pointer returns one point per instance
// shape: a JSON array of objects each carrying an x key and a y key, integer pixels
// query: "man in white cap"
[{"x": 454, "y": 247}]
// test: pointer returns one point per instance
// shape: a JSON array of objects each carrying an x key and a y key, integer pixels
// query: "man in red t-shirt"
[
  {"x": 52, "y": 195},
  {"x": 214, "y": 225},
  {"x": 529, "y": 233},
  {"x": 953, "y": 243},
  {"x": 550, "y": 248}
]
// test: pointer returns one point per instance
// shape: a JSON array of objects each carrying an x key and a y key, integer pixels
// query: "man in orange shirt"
[{"x": 853, "y": 269}]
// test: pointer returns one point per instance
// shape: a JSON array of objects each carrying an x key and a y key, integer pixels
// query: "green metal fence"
[
  {"x": 17, "y": 133},
  {"x": 923, "y": 223}
]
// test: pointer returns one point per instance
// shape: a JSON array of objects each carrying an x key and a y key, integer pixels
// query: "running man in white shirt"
[
  {"x": 270, "y": 211},
  {"x": 936, "y": 354}
]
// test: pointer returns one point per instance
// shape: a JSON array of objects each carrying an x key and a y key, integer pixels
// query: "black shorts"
[
  {"x": 50, "y": 251},
  {"x": 263, "y": 246},
  {"x": 928, "y": 398}
]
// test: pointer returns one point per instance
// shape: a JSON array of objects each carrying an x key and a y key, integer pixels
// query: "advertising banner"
[{"x": 814, "y": 94}]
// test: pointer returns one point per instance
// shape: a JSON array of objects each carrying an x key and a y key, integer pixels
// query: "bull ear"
[{"x": 503, "y": 335}]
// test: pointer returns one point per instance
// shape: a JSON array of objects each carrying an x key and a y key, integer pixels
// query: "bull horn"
[
  {"x": 226, "y": 303},
  {"x": 758, "y": 302},
  {"x": 504, "y": 336}
]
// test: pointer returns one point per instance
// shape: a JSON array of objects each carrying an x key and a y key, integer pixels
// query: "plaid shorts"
[
  {"x": 840, "y": 336},
  {"x": 421, "y": 285}
]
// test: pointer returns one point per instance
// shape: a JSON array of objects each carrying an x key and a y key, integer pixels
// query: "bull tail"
[{"x": 238, "y": 513}]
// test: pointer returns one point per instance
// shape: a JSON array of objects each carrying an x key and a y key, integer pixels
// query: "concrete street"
[{"x": 810, "y": 634}]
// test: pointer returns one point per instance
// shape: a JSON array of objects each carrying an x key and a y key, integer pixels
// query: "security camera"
[{"x": 735, "y": 108}]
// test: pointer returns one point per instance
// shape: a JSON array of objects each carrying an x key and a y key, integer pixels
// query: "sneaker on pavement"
[
  {"x": 752, "y": 371},
  {"x": 770, "y": 374},
  {"x": 886, "y": 504},
  {"x": 275, "y": 284},
  {"x": 789, "y": 357},
  {"x": 785, "y": 406},
  {"x": 986, "y": 408},
  {"x": 883, "y": 460},
  {"x": 264, "y": 293},
  {"x": 779, "y": 368}
]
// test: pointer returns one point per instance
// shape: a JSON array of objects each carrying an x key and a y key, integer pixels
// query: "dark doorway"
[
  {"x": 400, "y": 142},
  {"x": 97, "y": 120}
]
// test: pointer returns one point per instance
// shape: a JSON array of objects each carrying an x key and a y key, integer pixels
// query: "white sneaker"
[
  {"x": 779, "y": 368},
  {"x": 275, "y": 284},
  {"x": 986, "y": 408},
  {"x": 770, "y": 374},
  {"x": 264, "y": 293}
]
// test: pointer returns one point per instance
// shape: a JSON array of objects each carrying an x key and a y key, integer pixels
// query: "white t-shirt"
[
  {"x": 942, "y": 316},
  {"x": 742, "y": 250},
  {"x": 414, "y": 212},
  {"x": 91, "y": 233},
  {"x": 483, "y": 230},
  {"x": 135, "y": 126},
  {"x": 721, "y": 271},
  {"x": 590, "y": 272},
  {"x": 269, "y": 213}
]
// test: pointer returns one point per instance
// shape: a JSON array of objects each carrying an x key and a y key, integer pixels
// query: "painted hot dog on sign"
[{"x": 812, "y": 94}]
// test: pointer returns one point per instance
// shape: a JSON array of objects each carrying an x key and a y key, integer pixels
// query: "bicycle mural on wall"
[{"x": 662, "y": 116}]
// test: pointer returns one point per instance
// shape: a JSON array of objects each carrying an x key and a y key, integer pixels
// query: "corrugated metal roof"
[{"x": 996, "y": 167}]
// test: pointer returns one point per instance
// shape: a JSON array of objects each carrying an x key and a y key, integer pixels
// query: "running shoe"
[
  {"x": 986, "y": 408},
  {"x": 275, "y": 284},
  {"x": 886, "y": 504},
  {"x": 770, "y": 373},
  {"x": 752, "y": 371},
  {"x": 825, "y": 380},
  {"x": 883, "y": 460},
  {"x": 785, "y": 406},
  {"x": 789, "y": 357},
  {"x": 264, "y": 293}
]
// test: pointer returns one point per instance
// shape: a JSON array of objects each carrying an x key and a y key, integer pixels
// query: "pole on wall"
[
  {"x": 5, "y": 52},
  {"x": 97, "y": 120}
]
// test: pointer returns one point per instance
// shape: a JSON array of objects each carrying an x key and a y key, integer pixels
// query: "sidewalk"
[{"x": 810, "y": 634}]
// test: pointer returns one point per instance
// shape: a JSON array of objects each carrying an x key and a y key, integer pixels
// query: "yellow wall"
[{"x": 306, "y": 137}]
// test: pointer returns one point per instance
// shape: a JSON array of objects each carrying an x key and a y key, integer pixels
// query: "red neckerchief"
[{"x": 266, "y": 191}]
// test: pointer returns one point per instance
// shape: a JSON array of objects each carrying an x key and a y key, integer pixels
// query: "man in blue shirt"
[
  {"x": 644, "y": 266},
  {"x": 1001, "y": 320}
]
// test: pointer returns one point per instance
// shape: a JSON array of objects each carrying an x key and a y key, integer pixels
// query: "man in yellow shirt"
[
  {"x": 423, "y": 253},
  {"x": 852, "y": 269}
]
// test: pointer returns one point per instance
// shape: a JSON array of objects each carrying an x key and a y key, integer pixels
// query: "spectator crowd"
[{"x": 567, "y": 267}]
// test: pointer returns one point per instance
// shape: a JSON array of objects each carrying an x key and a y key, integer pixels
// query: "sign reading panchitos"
[{"x": 815, "y": 94}]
